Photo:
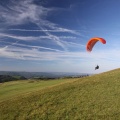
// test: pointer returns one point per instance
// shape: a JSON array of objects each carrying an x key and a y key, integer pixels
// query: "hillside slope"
[
  {"x": 93, "y": 97},
  {"x": 12, "y": 89}
]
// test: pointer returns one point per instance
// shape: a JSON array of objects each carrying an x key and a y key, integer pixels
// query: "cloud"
[
  {"x": 56, "y": 29},
  {"x": 33, "y": 53},
  {"x": 29, "y": 46},
  {"x": 38, "y": 38},
  {"x": 25, "y": 38},
  {"x": 23, "y": 12}
]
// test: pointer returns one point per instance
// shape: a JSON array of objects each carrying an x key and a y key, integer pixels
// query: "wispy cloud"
[
  {"x": 21, "y": 12},
  {"x": 33, "y": 37},
  {"x": 29, "y": 46},
  {"x": 32, "y": 53},
  {"x": 25, "y": 12},
  {"x": 47, "y": 30},
  {"x": 29, "y": 54},
  {"x": 38, "y": 38},
  {"x": 25, "y": 38},
  {"x": 35, "y": 54}
]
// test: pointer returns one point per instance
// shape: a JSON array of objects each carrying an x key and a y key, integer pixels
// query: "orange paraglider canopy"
[{"x": 92, "y": 42}]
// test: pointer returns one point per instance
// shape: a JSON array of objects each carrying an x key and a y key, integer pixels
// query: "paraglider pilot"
[{"x": 97, "y": 67}]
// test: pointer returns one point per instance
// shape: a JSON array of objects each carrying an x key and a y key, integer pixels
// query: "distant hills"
[
  {"x": 6, "y": 78},
  {"x": 13, "y": 75}
]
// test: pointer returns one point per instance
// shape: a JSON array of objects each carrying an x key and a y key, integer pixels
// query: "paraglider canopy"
[{"x": 90, "y": 44}]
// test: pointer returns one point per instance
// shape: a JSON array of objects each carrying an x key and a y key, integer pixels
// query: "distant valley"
[{"x": 12, "y": 75}]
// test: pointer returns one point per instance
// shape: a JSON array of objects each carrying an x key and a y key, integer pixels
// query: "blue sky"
[{"x": 51, "y": 35}]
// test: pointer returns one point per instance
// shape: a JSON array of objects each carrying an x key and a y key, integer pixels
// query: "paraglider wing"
[{"x": 92, "y": 42}]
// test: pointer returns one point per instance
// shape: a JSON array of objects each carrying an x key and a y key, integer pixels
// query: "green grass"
[
  {"x": 91, "y": 98},
  {"x": 8, "y": 90}
]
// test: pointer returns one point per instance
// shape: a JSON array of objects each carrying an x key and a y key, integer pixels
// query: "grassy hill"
[
  {"x": 13, "y": 89},
  {"x": 95, "y": 97}
]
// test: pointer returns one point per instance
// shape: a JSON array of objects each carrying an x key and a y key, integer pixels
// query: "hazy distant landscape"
[{"x": 12, "y": 75}]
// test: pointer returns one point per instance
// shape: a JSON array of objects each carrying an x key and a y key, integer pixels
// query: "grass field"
[
  {"x": 91, "y": 98},
  {"x": 9, "y": 90}
]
